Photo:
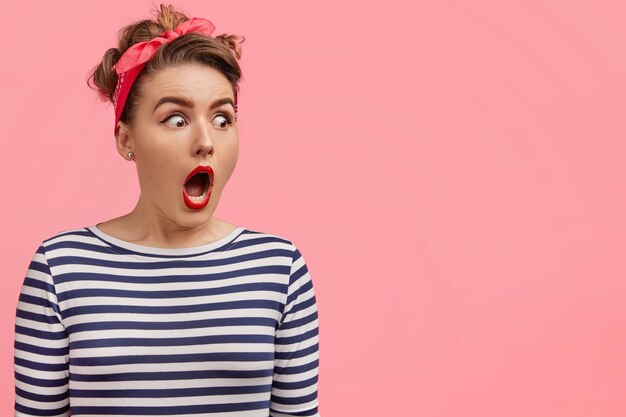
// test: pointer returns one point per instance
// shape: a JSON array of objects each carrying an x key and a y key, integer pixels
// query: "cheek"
[
  {"x": 230, "y": 155},
  {"x": 153, "y": 161},
  {"x": 157, "y": 169},
  {"x": 234, "y": 157}
]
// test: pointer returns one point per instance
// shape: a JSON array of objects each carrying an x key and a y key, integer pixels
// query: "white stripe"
[
  {"x": 169, "y": 286},
  {"x": 183, "y": 383},
  {"x": 169, "y": 318},
  {"x": 168, "y": 401},
  {"x": 293, "y": 393},
  {"x": 289, "y": 363},
  {"x": 169, "y": 302},
  {"x": 42, "y": 359},
  {"x": 157, "y": 272},
  {"x": 45, "y": 343},
  {"x": 35, "y": 373},
  {"x": 172, "y": 367},
  {"x": 172, "y": 334},
  {"x": 250, "y": 413},
  {"x": 302, "y": 376},
  {"x": 41, "y": 405},
  {"x": 75, "y": 235},
  {"x": 41, "y": 390},
  {"x": 123, "y": 351},
  {"x": 291, "y": 409},
  {"x": 142, "y": 259},
  {"x": 37, "y": 325},
  {"x": 297, "y": 346}
]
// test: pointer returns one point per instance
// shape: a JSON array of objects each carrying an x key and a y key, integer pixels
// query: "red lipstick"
[{"x": 197, "y": 187}]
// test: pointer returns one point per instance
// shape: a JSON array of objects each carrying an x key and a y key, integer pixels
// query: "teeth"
[{"x": 197, "y": 199}]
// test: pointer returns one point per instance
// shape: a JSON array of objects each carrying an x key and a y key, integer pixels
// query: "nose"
[{"x": 204, "y": 143}]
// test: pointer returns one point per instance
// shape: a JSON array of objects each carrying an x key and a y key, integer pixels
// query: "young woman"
[{"x": 169, "y": 310}]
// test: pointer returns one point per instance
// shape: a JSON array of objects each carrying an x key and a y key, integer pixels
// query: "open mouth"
[{"x": 197, "y": 187}]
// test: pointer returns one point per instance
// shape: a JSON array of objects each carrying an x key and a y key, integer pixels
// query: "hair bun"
[
  {"x": 103, "y": 77},
  {"x": 233, "y": 42}
]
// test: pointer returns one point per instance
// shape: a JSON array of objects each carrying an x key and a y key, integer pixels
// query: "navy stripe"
[
  {"x": 35, "y": 283},
  {"x": 38, "y": 266},
  {"x": 179, "y": 341},
  {"x": 38, "y": 301},
  {"x": 298, "y": 338},
  {"x": 41, "y": 318},
  {"x": 68, "y": 233},
  {"x": 172, "y": 410},
  {"x": 196, "y": 308},
  {"x": 39, "y": 366},
  {"x": 293, "y": 370},
  {"x": 171, "y": 325},
  {"x": 298, "y": 354},
  {"x": 177, "y": 358},
  {"x": 41, "y": 334},
  {"x": 39, "y": 412},
  {"x": 176, "y": 278},
  {"x": 295, "y": 385},
  {"x": 46, "y": 383},
  {"x": 157, "y": 295},
  {"x": 294, "y": 400},
  {"x": 169, "y": 264},
  {"x": 172, "y": 376},
  {"x": 40, "y": 350},
  {"x": 169, "y": 393},
  {"x": 299, "y": 322},
  {"x": 307, "y": 413},
  {"x": 40, "y": 397}
]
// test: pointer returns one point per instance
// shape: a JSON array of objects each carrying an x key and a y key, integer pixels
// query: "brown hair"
[{"x": 220, "y": 52}]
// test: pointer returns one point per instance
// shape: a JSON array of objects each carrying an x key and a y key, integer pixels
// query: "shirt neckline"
[{"x": 154, "y": 250}]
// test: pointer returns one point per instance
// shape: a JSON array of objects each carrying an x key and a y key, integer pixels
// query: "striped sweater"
[{"x": 106, "y": 327}]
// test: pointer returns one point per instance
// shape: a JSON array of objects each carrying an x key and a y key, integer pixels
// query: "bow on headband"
[{"x": 134, "y": 58}]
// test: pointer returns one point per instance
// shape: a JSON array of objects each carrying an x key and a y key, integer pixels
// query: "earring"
[{"x": 130, "y": 155}]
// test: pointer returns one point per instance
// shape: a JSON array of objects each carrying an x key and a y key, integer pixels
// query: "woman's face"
[{"x": 184, "y": 121}]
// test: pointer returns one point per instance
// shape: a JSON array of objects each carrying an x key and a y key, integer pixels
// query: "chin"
[{"x": 194, "y": 218}]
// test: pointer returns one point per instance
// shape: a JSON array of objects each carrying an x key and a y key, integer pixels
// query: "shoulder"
[
  {"x": 268, "y": 241},
  {"x": 255, "y": 237},
  {"x": 67, "y": 234},
  {"x": 71, "y": 239},
  {"x": 259, "y": 240}
]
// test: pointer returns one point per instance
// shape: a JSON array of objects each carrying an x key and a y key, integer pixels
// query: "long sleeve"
[
  {"x": 296, "y": 360},
  {"x": 41, "y": 346}
]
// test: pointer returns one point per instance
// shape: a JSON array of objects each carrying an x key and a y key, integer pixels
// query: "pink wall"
[{"x": 453, "y": 173}]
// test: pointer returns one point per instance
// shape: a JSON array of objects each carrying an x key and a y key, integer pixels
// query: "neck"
[{"x": 149, "y": 226}]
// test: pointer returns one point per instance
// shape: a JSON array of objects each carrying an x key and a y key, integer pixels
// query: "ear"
[{"x": 123, "y": 139}]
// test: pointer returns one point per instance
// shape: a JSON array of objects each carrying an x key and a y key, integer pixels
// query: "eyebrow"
[{"x": 189, "y": 104}]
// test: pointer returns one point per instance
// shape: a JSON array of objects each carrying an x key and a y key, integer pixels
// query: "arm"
[
  {"x": 41, "y": 346},
  {"x": 296, "y": 359}
]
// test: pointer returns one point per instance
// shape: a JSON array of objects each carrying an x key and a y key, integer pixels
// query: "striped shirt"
[{"x": 110, "y": 328}]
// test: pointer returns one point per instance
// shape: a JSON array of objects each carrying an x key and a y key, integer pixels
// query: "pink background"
[{"x": 452, "y": 171}]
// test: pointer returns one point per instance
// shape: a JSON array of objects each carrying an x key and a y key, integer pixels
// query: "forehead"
[{"x": 197, "y": 82}]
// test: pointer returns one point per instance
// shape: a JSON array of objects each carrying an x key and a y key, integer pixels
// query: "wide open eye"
[
  {"x": 222, "y": 120},
  {"x": 175, "y": 120}
]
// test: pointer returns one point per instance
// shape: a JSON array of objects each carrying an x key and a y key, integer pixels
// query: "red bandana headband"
[{"x": 134, "y": 58}]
